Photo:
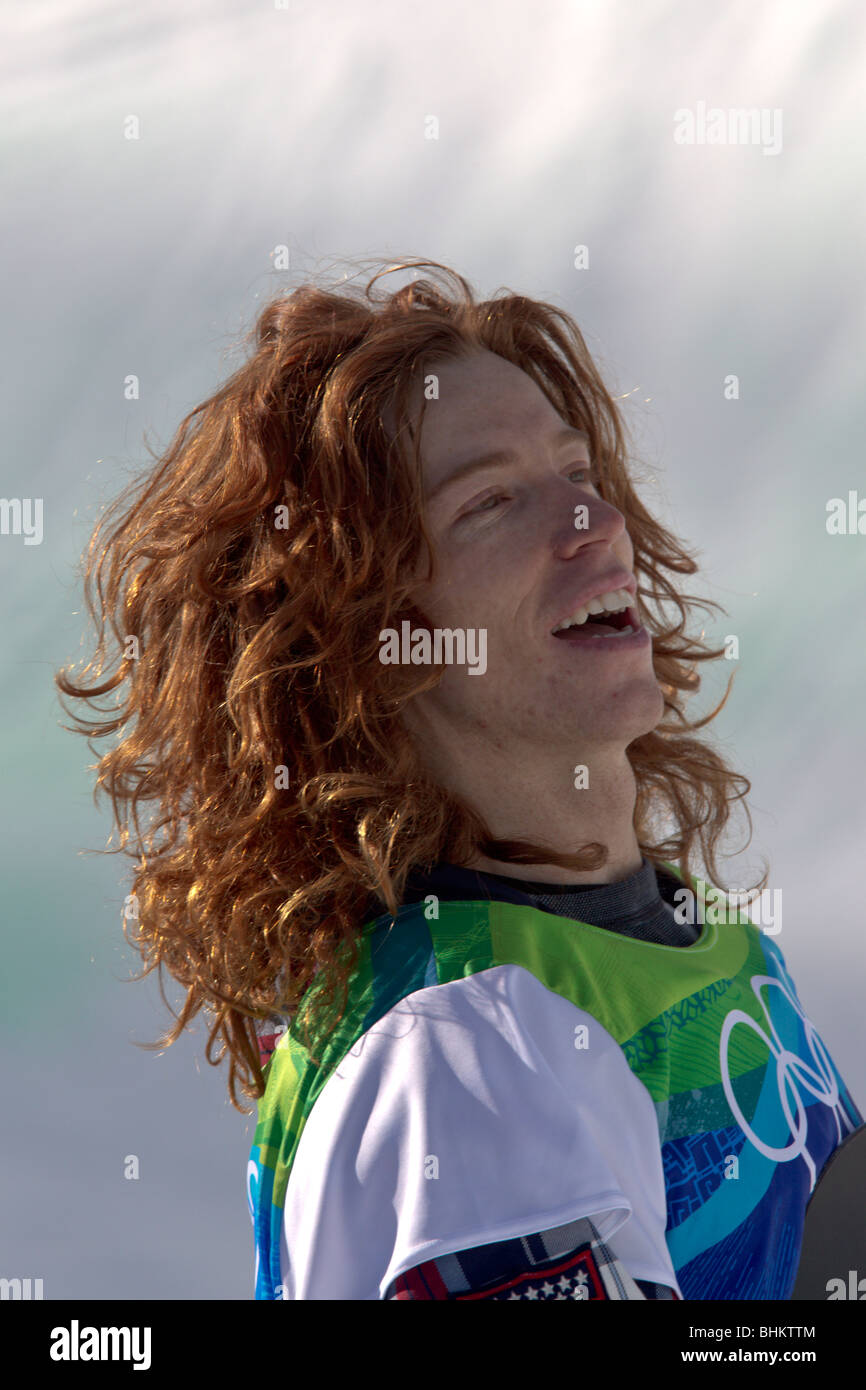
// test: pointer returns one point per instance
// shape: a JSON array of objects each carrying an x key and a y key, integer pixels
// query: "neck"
[{"x": 538, "y": 801}]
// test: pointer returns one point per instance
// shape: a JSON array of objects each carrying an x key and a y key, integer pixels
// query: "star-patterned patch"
[
  {"x": 577, "y": 1277},
  {"x": 567, "y": 1262}
]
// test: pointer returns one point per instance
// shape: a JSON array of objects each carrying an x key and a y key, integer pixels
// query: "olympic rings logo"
[{"x": 790, "y": 1067}]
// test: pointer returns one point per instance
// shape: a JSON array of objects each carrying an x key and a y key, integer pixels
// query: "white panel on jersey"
[{"x": 468, "y": 1115}]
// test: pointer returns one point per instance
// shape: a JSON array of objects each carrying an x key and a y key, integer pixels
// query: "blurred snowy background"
[{"x": 308, "y": 126}]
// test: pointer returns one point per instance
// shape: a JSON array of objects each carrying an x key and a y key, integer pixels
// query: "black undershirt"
[{"x": 640, "y": 905}]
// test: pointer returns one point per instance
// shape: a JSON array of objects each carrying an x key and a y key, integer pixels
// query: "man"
[
  {"x": 514, "y": 564},
  {"x": 549, "y": 1083}
]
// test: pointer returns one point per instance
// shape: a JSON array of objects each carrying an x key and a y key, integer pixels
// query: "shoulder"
[
  {"x": 502, "y": 1017},
  {"x": 471, "y": 1112}
]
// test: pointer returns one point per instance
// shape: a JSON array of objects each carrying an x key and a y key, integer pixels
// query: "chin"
[
  {"x": 639, "y": 709},
  {"x": 653, "y": 709}
]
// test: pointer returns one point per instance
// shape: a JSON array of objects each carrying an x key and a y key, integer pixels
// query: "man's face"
[{"x": 510, "y": 559}]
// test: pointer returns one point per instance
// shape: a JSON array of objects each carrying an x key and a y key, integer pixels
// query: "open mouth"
[{"x": 621, "y": 623}]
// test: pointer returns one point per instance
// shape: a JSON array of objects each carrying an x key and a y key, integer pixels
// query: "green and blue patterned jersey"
[{"x": 501, "y": 1069}]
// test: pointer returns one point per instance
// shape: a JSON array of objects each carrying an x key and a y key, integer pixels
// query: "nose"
[{"x": 580, "y": 517}]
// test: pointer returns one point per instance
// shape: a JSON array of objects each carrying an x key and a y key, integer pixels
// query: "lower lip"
[{"x": 634, "y": 642}]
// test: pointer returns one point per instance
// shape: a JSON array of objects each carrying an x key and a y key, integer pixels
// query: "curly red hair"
[{"x": 245, "y": 581}]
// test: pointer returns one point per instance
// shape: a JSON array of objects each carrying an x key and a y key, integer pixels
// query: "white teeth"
[
  {"x": 579, "y": 617},
  {"x": 613, "y": 602}
]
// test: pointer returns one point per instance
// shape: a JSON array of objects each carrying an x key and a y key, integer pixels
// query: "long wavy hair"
[{"x": 245, "y": 580}]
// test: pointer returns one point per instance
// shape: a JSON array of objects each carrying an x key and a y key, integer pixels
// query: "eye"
[
  {"x": 586, "y": 468},
  {"x": 483, "y": 506}
]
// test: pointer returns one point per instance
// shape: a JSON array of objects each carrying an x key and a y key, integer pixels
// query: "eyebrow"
[{"x": 499, "y": 457}]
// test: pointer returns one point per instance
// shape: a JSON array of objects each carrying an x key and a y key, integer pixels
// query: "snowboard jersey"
[{"x": 502, "y": 1070}]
